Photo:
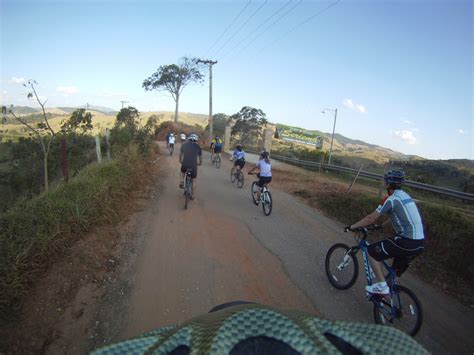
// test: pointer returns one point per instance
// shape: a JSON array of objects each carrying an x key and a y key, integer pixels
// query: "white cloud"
[
  {"x": 67, "y": 89},
  {"x": 406, "y": 136},
  {"x": 348, "y": 103},
  {"x": 460, "y": 130},
  {"x": 15, "y": 80}
]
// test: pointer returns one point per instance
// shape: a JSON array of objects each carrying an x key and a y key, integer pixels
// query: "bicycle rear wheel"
[
  {"x": 404, "y": 313},
  {"x": 232, "y": 175},
  {"x": 240, "y": 179},
  {"x": 218, "y": 162},
  {"x": 253, "y": 191},
  {"x": 341, "y": 266},
  {"x": 267, "y": 203}
]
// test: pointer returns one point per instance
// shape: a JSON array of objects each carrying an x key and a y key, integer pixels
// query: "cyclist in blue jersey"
[
  {"x": 216, "y": 147},
  {"x": 407, "y": 223},
  {"x": 238, "y": 157}
]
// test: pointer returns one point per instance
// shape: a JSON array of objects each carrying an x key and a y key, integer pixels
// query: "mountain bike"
[
  {"x": 216, "y": 160},
  {"x": 265, "y": 197},
  {"x": 188, "y": 187},
  {"x": 400, "y": 309},
  {"x": 236, "y": 174}
]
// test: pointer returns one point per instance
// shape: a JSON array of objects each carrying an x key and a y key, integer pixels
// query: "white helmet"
[{"x": 193, "y": 137}]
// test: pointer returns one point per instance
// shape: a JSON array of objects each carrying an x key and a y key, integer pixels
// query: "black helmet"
[
  {"x": 264, "y": 154},
  {"x": 394, "y": 177}
]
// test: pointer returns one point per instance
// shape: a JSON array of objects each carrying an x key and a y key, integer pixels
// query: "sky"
[{"x": 399, "y": 73}]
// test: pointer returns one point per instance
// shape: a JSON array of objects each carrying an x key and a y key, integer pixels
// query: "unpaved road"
[{"x": 223, "y": 248}]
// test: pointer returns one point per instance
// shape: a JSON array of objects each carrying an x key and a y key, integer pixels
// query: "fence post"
[
  {"x": 97, "y": 149},
  {"x": 353, "y": 181},
  {"x": 65, "y": 161},
  {"x": 321, "y": 163},
  {"x": 107, "y": 137}
]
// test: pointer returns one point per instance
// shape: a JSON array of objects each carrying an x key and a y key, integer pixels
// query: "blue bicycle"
[{"x": 400, "y": 309}]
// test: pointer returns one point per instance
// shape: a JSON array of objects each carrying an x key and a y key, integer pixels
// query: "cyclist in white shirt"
[
  {"x": 171, "y": 140},
  {"x": 265, "y": 174}
]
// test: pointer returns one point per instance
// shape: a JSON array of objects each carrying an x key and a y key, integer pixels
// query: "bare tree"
[{"x": 42, "y": 131}]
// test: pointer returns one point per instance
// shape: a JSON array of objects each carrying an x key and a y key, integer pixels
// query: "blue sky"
[{"x": 399, "y": 72}]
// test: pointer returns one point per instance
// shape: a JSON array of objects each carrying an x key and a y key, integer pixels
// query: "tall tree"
[
  {"x": 174, "y": 78},
  {"x": 248, "y": 124},
  {"x": 42, "y": 131}
]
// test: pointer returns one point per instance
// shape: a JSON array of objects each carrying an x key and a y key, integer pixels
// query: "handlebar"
[{"x": 364, "y": 230}]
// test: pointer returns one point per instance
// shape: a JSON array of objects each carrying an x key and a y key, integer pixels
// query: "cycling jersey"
[
  {"x": 171, "y": 140},
  {"x": 265, "y": 168},
  {"x": 190, "y": 152},
  {"x": 404, "y": 215},
  {"x": 216, "y": 143},
  {"x": 239, "y": 154}
]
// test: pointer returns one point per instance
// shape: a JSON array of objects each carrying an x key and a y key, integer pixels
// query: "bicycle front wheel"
[
  {"x": 404, "y": 312},
  {"x": 267, "y": 203},
  {"x": 341, "y": 266},
  {"x": 232, "y": 175},
  {"x": 240, "y": 179},
  {"x": 253, "y": 191}
]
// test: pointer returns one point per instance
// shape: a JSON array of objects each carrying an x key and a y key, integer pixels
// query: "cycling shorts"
[
  {"x": 193, "y": 171},
  {"x": 264, "y": 180},
  {"x": 240, "y": 162},
  {"x": 217, "y": 149},
  {"x": 397, "y": 247},
  {"x": 171, "y": 144}
]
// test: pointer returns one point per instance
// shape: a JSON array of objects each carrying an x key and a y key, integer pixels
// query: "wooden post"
[
  {"x": 227, "y": 139},
  {"x": 321, "y": 163},
  {"x": 107, "y": 137},
  {"x": 65, "y": 161},
  {"x": 353, "y": 181},
  {"x": 97, "y": 149}
]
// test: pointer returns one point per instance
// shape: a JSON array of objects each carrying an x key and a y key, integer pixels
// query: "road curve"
[{"x": 223, "y": 248}]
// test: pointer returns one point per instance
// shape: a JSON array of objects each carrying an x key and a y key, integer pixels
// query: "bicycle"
[
  {"x": 400, "y": 309},
  {"x": 216, "y": 160},
  {"x": 188, "y": 187},
  {"x": 265, "y": 197},
  {"x": 171, "y": 149},
  {"x": 237, "y": 175}
]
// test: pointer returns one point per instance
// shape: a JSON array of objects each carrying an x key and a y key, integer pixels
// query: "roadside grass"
[
  {"x": 34, "y": 232},
  {"x": 448, "y": 260}
]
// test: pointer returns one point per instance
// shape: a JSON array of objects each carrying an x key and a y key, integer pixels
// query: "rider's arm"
[
  {"x": 200, "y": 157},
  {"x": 181, "y": 154},
  {"x": 369, "y": 219}
]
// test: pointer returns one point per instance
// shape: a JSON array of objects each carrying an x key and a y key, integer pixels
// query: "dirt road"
[{"x": 223, "y": 248}]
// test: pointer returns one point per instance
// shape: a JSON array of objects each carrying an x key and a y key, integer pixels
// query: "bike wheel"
[
  {"x": 232, "y": 175},
  {"x": 253, "y": 191},
  {"x": 267, "y": 203},
  {"x": 404, "y": 312},
  {"x": 341, "y": 266},
  {"x": 240, "y": 179},
  {"x": 171, "y": 151},
  {"x": 218, "y": 162},
  {"x": 186, "y": 199}
]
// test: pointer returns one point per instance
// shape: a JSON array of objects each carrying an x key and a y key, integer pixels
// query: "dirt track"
[{"x": 176, "y": 264}]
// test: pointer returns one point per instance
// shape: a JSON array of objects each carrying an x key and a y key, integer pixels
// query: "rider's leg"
[{"x": 378, "y": 271}]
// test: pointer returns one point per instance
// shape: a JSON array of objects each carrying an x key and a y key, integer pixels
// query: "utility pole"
[
  {"x": 333, "y": 129},
  {"x": 124, "y": 102},
  {"x": 210, "y": 63}
]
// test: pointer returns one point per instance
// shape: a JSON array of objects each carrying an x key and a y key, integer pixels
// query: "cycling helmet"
[
  {"x": 264, "y": 154},
  {"x": 193, "y": 137},
  {"x": 394, "y": 177}
]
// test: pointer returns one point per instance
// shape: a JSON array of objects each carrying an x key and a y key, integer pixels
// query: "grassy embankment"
[{"x": 34, "y": 232}]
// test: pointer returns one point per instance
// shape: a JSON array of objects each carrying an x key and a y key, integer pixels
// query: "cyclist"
[
  {"x": 189, "y": 155},
  {"x": 265, "y": 174},
  {"x": 168, "y": 139},
  {"x": 183, "y": 137},
  {"x": 171, "y": 141},
  {"x": 239, "y": 157},
  {"x": 248, "y": 328},
  {"x": 407, "y": 223},
  {"x": 216, "y": 143}
]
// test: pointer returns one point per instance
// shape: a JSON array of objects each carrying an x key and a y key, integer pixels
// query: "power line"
[
  {"x": 240, "y": 28},
  {"x": 301, "y": 24},
  {"x": 273, "y": 23},
  {"x": 225, "y": 31},
  {"x": 257, "y": 28}
]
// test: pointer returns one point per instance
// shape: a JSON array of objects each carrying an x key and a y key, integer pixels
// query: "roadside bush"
[{"x": 34, "y": 231}]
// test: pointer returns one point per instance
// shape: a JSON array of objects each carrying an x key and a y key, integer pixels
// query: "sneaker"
[
  {"x": 379, "y": 288},
  {"x": 181, "y": 184}
]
